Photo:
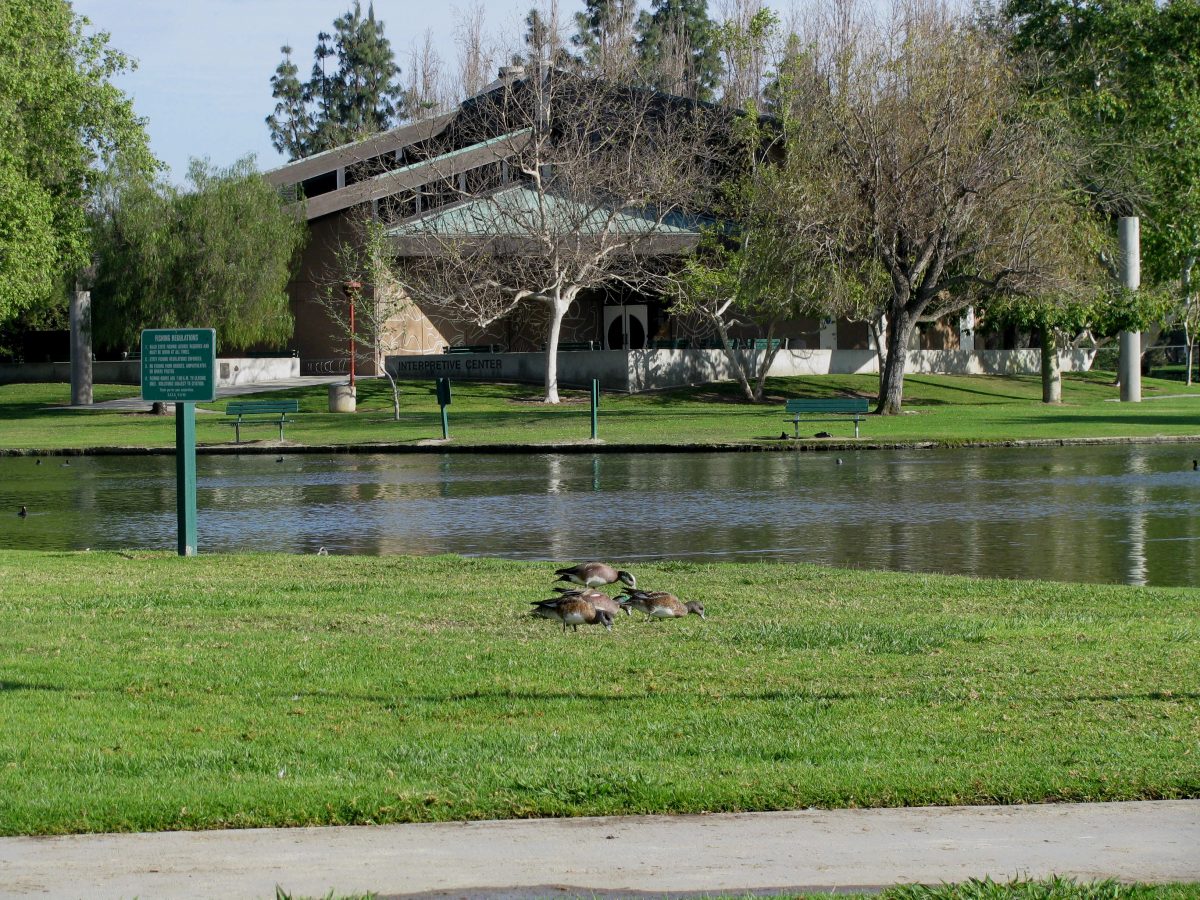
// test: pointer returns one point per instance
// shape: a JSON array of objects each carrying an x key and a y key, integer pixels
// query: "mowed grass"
[
  {"x": 142, "y": 691},
  {"x": 946, "y": 409}
]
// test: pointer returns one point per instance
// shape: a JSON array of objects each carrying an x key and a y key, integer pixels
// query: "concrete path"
[
  {"x": 656, "y": 855},
  {"x": 134, "y": 403}
]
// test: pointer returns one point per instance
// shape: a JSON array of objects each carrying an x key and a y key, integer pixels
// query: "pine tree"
[
  {"x": 605, "y": 38},
  {"x": 291, "y": 123},
  {"x": 677, "y": 48},
  {"x": 353, "y": 90},
  {"x": 367, "y": 90}
]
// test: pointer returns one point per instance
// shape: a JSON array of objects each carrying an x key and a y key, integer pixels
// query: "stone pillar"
[
  {"x": 81, "y": 344},
  {"x": 828, "y": 334},
  {"x": 966, "y": 330},
  {"x": 1130, "y": 272}
]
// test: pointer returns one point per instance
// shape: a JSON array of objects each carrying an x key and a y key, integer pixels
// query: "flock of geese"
[{"x": 586, "y": 605}]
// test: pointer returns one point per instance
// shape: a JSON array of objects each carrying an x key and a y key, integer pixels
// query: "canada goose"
[
  {"x": 594, "y": 574},
  {"x": 598, "y": 599},
  {"x": 573, "y": 611},
  {"x": 23, "y": 512},
  {"x": 660, "y": 604}
]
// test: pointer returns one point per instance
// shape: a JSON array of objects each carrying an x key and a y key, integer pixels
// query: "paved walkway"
[
  {"x": 656, "y": 855},
  {"x": 136, "y": 404}
]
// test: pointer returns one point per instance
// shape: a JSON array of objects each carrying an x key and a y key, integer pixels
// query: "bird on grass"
[
  {"x": 573, "y": 611},
  {"x": 23, "y": 512},
  {"x": 594, "y": 574},
  {"x": 598, "y": 599},
  {"x": 660, "y": 604}
]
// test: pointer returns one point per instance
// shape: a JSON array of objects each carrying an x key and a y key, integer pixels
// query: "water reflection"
[{"x": 1109, "y": 514}]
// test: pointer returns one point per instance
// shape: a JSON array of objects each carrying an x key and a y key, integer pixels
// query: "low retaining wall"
[
  {"x": 230, "y": 371},
  {"x": 643, "y": 370}
]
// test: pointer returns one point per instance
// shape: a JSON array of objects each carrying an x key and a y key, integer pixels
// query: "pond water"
[{"x": 1121, "y": 514}]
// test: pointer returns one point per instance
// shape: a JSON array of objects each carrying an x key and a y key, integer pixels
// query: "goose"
[
  {"x": 598, "y": 599},
  {"x": 594, "y": 574},
  {"x": 660, "y": 604},
  {"x": 573, "y": 611}
]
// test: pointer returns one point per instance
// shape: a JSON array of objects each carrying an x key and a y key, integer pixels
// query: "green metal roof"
[{"x": 521, "y": 211}]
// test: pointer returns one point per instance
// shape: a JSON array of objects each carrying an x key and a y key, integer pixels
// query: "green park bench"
[
  {"x": 576, "y": 345},
  {"x": 840, "y": 406},
  {"x": 473, "y": 348},
  {"x": 243, "y": 408}
]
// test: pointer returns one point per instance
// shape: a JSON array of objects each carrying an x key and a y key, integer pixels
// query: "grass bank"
[
  {"x": 945, "y": 409},
  {"x": 141, "y": 691}
]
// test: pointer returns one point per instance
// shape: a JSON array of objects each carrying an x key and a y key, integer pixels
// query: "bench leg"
[
  {"x": 281, "y": 429},
  {"x": 796, "y": 426},
  {"x": 856, "y": 426},
  {"x": 237, "y": 431}
]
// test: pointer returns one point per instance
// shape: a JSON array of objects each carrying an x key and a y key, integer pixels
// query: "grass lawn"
[
  {"x": 949, "y": 409},
  {"x": 141, "y": 691}
]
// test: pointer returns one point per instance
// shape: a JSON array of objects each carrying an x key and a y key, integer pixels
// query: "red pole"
[{"x": 352, "y": 288}]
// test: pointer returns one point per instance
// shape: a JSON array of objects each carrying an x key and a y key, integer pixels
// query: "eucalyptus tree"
[{"x": 1128, "y": 73}]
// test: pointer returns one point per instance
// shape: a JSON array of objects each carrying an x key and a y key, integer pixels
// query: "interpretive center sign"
[{"x": 179, "y": 365}]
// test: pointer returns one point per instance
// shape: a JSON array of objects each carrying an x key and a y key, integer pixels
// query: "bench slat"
[
  {"x": 845, "y": 405},
  {"x": 251, "y": 407}
]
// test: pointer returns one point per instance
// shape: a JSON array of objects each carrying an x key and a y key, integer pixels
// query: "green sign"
[{"x": 179, "y": 365}]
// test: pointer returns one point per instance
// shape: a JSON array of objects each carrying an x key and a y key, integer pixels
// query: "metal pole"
[
  {"x": 1130, "y": 272},
  {"x": 352, "y": 348},
  {"x": 595, "y": 404},
  {"x": 445, "y": 425},
  {"x": 185, "y": 476}
]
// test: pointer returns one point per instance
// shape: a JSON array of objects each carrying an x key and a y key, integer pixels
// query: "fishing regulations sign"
[{"x": 179, "y": 365}]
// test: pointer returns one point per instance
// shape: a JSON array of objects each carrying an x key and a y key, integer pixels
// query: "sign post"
[
  {"x": 443, "y": 399},
  {"x": 595, "y": 404},
  {"x": 179, "y": 365}
]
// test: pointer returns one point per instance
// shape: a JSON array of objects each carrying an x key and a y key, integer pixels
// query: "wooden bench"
[
  {"x": 839, "y": 405},
  {"x": 244, "y": 408}
]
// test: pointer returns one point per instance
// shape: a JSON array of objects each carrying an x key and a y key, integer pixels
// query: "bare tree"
[
  {"x": 589, "y": 185},
  {"x": 426, "y": 89},
  {"x": 360, "y": 278},
  {"x": 476, "y": 57},
  {"x": 932, "y": 167}
]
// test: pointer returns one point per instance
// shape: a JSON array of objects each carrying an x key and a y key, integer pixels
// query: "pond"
[{"x": 1119, "y": 514}]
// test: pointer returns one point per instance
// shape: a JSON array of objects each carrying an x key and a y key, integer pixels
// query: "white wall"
[
  {"x": 230, "y": 371},
  {"x": 641, "y": 370}
]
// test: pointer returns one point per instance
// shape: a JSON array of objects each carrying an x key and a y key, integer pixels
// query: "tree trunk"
[
  {"x": 1051, "y": 373},
  {"x": 735, "y": 361},
  {"x": 395, "y": 393},
  {"x": 558, "y": 309},
  {"x": 891, "y": 379}
]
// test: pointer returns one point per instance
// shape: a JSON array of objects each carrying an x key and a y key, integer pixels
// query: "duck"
[
  {"x": 573, "y": 611},
  {"x": 23, "y": 512},
  {"x": 598, "y": 599},
  {"x": 594, "y": 574},
  {"x": 660, "y": 604}
]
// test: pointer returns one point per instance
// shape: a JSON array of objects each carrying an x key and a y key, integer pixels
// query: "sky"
[{"x": 204, "y": 66}]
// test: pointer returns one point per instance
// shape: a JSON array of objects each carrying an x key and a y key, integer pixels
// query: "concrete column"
[
  {"x": 81, "y": 347},
  {"x": 966, "y": 330},
  {"x": 828, "y": 334},
  {"x": 1130, "y": 272}
]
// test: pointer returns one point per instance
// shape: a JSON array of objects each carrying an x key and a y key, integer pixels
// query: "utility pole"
[{"x": 1130, "y": 273}]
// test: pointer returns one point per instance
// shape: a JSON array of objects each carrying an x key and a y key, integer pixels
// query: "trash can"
[{"x": 342, "y": 397}]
